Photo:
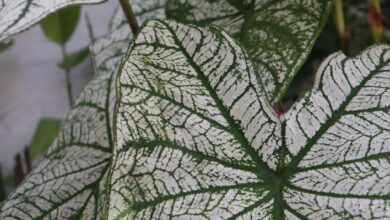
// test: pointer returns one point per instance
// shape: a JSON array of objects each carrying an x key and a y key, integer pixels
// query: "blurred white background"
[{"x": 31, "y": 84}]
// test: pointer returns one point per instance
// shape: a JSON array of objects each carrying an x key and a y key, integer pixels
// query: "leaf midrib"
[
  {"x": 264, "y": 172},
  {"x": 291, "y": 169}
]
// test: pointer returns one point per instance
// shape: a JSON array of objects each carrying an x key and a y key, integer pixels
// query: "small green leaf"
[
  {"x": 45, "y": 133},
  {"x": 18, "y": 15},
  {"x": 73, "y": 59},
  {"x": 59, "y": 26},
  {"x": 6, "y": 45}
]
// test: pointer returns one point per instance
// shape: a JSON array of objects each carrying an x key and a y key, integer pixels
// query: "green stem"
[
  {"x": 90, "y": 28},
  {"x": 2, "y": 186},
  {"x": 68, "y": 80},
  {"x": 375, "y": 20},
  {"x": 340, "y": 23},
  {"x": 126, "y": 7}
]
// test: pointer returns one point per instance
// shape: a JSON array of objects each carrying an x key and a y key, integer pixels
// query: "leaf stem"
[
  {"x": 2, "y": 186},
  {"x": 375, "y": 20},
  {"x": 91, "y": 34},
  {"x": 127, "y": 9},
  {"x": 68, "y": 80},
  {"x": 340, "y": 24}
]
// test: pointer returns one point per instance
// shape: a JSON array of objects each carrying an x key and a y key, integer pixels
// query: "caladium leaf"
[
  {"x": 197, "y": 140},
  {"x": 277, "y": 34},
  {"x": 184, "y": 96},
  {"x": 70, "y": 180},
  {"x": 338, "y": 137},
  {"x": 18, "y": 15}
]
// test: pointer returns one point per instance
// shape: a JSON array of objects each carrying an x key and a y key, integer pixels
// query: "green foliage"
[
  {"x": 73, "y": 59},
  {"x": 45, "y": 133},
  {"x": 5, "y": 45},
  {"x": 59, "y": 26}
]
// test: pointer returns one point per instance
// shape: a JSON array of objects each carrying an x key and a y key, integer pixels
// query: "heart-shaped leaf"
[
  {"x": 197, "y": 140},
  {"x": 59, "y": 26},
  {"x": 277, "y": 34},
  {"x": 18, "y": 15}
]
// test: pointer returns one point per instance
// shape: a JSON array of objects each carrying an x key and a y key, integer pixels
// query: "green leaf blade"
[
  {"x": 59, "y": 26},
  {"x": 73, "y": 59},
  {"x": 47, "y": 130},
  {"x": 6, "y": 45}
]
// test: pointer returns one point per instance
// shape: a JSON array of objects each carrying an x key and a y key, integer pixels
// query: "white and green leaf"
[
  {"x": 18, "y": 15},
  {"x": 196, "y": 138},
  {"x": 338, "y": 137},
  {"x": 277, "y": 34},
  {"x": 193, "y": 131},
  {"x": 70, "y": 181}
]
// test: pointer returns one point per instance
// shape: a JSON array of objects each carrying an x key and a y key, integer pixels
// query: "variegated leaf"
[
  {"x": 193, "y": 130},
  {"x": 339, "y": 136},
  {"x": 277, "y": 34},
  {"x": 197, "y": 140},
  {"x": 70, "y": 181},
  {"x": 18, "y": 15}
]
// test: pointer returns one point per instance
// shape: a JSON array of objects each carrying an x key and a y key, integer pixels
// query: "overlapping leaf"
[
  {"x": 68, "y": 183},
  {"x": 339, "y": 139},
  {"x": 277, "y": 34},
  {"x": 193, "y": 131},
  {"x": 196, "y": 140},
  {"x": 18, "y": 15}
]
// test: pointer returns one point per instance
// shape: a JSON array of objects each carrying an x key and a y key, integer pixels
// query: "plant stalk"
[
  {"x": 2, "y": 186},
  {"x": 91, "y": 34},
  {"x": 375, "y": 20},
  {"x": 340, "y": 24},
  {"x": 129, "y": 13},
  {"x": 68, "y": 79}
]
